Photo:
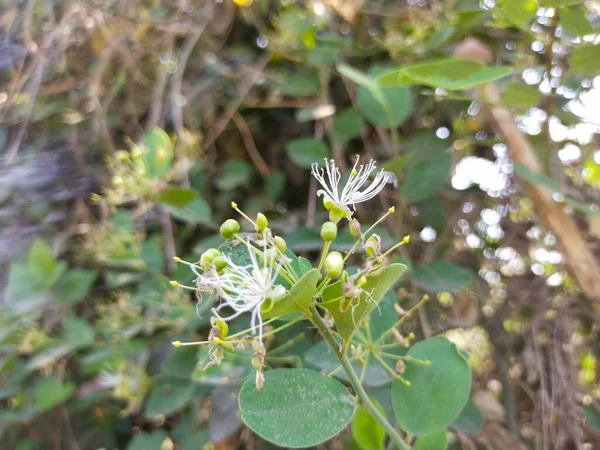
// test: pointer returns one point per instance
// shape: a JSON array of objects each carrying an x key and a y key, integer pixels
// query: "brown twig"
[{"x": 253, "y": 152}]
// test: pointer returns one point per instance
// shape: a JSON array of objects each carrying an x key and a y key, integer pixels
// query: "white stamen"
[{"x": 351, "y": 193}]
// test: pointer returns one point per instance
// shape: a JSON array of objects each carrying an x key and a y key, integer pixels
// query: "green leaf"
[
  {"x": 437, "y": 393},
  {"x": 592, "y": 416},
  {"x": 441, "y": 276},
  {"x": 44, "y": 269},
  {"x": 433, "y": 212},
  {"x": 176, "y": 197},
  {"x": 558, "y": 3},
  {"x": 346, "y": 125},
  {"x": 275, "y": 184},
  {"x": 234, "y": 174},
  {"x": 296, "y": 408},
  {"x": 298, "y": 298},
  {"x": 434, "y": 441},
  {"x": 518, "y": 12},
  {"x": 159, "y": 153},
  {"x": 77, "y": 332},
  {"x": 180, "y": 363},
  {"x": 368, "y": 433},
  {"x": 390, "y": 113},
  {"x": 574, "y": 21},
  {"x": 585, "y": 60},
  {"x": 148, "y": 441},
  {"x": 305, "y": 151},
  {"x": 196, "y": 211},
  {"x": 451, "y": 74},
  {"x": 73, "y": 286},
  {"x": 168, "y": 395},
  {"x": 350, "y": 320},
  {"x": 360, "y": 78},
  {"x": 469, "y": 420},
  {"x": 152, "y": 254},
  {"x": 520, "y": 96},
  {"x": 51, "y": 392},
  {"x": 425, "y": 176}
]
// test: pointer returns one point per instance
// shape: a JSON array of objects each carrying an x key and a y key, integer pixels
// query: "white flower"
[
  {"x": 245, "y": 288},
  {"x": 351, "y": 193}
]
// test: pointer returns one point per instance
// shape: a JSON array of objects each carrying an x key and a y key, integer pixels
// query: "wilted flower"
[
  {"x": 245, "y": 288},
  {"x": 351, "y": 193}
]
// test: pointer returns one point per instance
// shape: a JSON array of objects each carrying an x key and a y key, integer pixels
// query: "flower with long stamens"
[
  {"x": 353, "y": 192},
  {"x": 245, "y": 288}
]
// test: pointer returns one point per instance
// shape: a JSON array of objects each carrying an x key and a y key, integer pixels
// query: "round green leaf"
[
  {"x": 296, "y": 407},
  {"x": 469, "y": 420},
  {"x": 234, "y": 174},
  {"x": 390, "y": 115},
  {"x": 346, "y": 125},
  {"x": 433, "y": 441},
  {"x": 438, "y": 392},
  {"x": 305, "y": 151},
  {"x": 425, "y": 175},
  {"x": 441, "y": 276}
]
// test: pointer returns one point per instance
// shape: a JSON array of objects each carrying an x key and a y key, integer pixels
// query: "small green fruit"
[
  {"x": 229, "y": 228},
  {"x": 208, "y": 256},
  {"x": 220, "y": 263},
  {"x": 328, "y": 231},
  {"x": 334, "y": 265}
]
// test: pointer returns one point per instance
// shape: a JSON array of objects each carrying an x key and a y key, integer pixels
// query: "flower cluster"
[{"x": 261, "y": 274}]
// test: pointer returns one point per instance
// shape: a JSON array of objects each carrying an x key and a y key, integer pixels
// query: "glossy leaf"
[
  {"x": 518, "y": 12},
  {"x": 176, "y": 197},
  {"x": 305, "y": 151},
  {"x": 350, "y": 320},
  {"x": 441, "y": 276},
  {"x": 446, "y": 381},
  {"x": 296, "y": 408}
]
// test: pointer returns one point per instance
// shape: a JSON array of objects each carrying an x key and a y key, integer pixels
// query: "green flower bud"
[
  {"x": 261, "y": 222},
  {"x": 219, "y": 262},
  {"x": 280, "y": 244},
  {"x": 328, "y": 231},
  {"x": 222, "y": 327},
  {"x": 373, "y": 246},
  {"x": 334, "y": 264},
  {"x": 229, "y": 228},
  {"x": 336, "y": 213},
  {"x": 208, "y": 256},
  {"x": 354, "y": 228}
]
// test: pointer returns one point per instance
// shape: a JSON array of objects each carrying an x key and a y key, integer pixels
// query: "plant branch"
[{"x": 355, "y": 382}]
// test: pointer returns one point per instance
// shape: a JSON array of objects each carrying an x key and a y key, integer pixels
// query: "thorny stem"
[{"x": 355, "y": 382}]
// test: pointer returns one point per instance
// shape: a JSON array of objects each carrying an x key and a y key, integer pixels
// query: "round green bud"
[
  {"x": 373, "y": 246},
  {"x": 208, "y": 256},
  {"x": 229, "y": 228},
  {"x": 261, "y": 222},
  {"x": 334, "y": 264},
  {"x": 328, "y": 231},
  {"x": 219, "y": 262},
  {"x": 280, "y": 244}
]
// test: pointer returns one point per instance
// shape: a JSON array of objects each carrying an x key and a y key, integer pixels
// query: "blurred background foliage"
[{"x": 128, "y": 127}]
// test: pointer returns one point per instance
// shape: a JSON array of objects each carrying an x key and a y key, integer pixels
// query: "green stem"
[
  {"x": 355, "y": 382},
  {"x": 324, "y": 254}
]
